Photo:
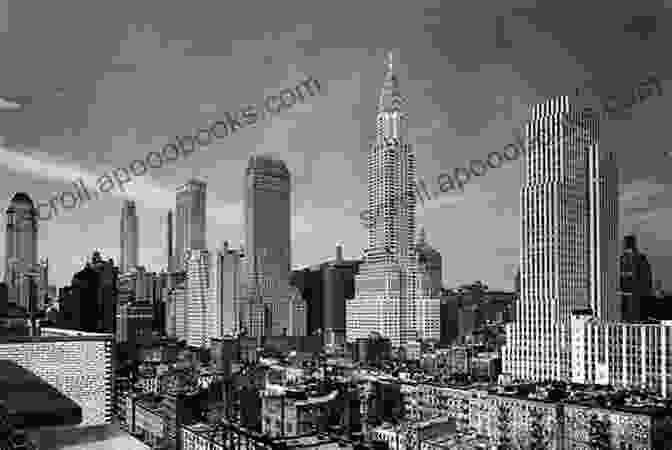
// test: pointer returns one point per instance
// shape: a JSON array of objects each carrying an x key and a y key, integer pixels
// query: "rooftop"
[
  {"x": 108, "y": 437},
  {"x": 31, "y": 402}
]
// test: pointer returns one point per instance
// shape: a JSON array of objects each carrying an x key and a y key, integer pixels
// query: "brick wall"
[{"x": 80, "y": 368}]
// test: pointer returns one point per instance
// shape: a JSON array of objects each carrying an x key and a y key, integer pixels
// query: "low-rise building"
[
  {"x": 631, "y": 428},
  {"x": 622, "y": 354},
  {"x": 226, "y": 436},
  {"x": 520, "y": 415},
  {"x": 295, "y": 411},
  {"x": 149, "y": 423}
]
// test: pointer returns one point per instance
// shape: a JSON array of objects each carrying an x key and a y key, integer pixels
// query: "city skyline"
[
  {"x": 447, "y": 131},
  {"x": 462, "y": 242}
]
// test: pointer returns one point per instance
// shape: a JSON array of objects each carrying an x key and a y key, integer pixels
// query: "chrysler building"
[{"x": 389, "y": 298}]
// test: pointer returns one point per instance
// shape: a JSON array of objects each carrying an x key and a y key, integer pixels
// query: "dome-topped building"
[
  {"x": 21, "y": 219},
  {"x": 21, "y": 197},
  {"x": 21, "y": 223}
]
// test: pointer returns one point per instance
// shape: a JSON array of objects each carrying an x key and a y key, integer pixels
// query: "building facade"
[
  {"x": 388, "y": 299},
  {"x": 227, "y": 291},
  {"x": 198, "y": 298},
  {"x": 567, "y": 239},
  {"x": 267, "y": 237},
  {"x": 635, "y": 356},
  {"x": 134, "y": 323},
  {"x": 78, "y": 364},
  {"x": 176, "y": 312},
  {"x": 326, "y": 287},
  {"x": 190, "y": 220}
]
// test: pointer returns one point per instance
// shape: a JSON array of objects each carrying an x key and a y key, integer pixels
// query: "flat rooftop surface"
[
  {"x": 32, "y": 402},
  {"x": 108, "y": 437}
]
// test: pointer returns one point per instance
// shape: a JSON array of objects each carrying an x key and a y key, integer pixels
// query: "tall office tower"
[
  {"x": 567, "y": 233},
  {"x": 129, "y": 237},
  {"x": 226, "y": 291},
  {"x": 387, "y": 300},
  {"x": 198, "y": 294},
  {"x": 267, "y": 238},
  {"x": 190, "y": 220},
  {"x": 169, "y": 242},
  {"x": 636, "y": 282}
]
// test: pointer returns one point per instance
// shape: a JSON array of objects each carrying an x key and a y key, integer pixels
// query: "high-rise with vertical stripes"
[
  {"x": 129, "y": 237},
  {"x": 198, "y": 296},
  {"x": 388, "y": 298},
  {"x": 569, "y": 247},
  {"x": 189, "y": 220}
]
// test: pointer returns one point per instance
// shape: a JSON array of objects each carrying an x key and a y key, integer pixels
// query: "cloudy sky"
[{"x": 111, "y": 81}]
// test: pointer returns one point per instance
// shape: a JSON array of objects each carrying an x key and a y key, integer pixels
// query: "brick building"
[{"x": 78, "y": 364}]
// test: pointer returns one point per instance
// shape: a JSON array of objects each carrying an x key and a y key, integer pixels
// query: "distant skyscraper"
[
  {"x": 429, "y": 265},
  {"x": 190, "y": 220},
  {"x": 388, "y": 299},
  {"x": 129, "y": 237},
  {"x": 636, "y": 281},
  {"x": 267, "y": 237},
  {"x": 169, "y": 242},
  {"x": 569, "y": 223},
  {"x": 21, "y": 258},
  {"x": 20, "y": 234},
  {"x": 226, "y": 291},
  {"x": 198, "y": 295}
]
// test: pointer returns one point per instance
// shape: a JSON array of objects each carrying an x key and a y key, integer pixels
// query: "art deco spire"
[{"x": 390, "y": 95}]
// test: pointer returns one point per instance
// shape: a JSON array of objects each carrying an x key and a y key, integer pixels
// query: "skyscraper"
[
  {"x": 568, "y": 228},
  {"x": 190, "y": 220},
  {"x": 20, "y": 234},
  {"x": 169, "y": 242},
  {"x": 387, "y": 300},
  {"x": 21, "y": 260},
  {"x": 129, "y": 237},
  {"x": 636, "y": 282},
  {"x": 198, "y": 295},
  {"x": 268, "y": 238},
  {"x": 226, "y": 291}
]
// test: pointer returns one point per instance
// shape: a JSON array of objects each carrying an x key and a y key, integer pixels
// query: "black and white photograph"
[{"x": 335, "y": 225}]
